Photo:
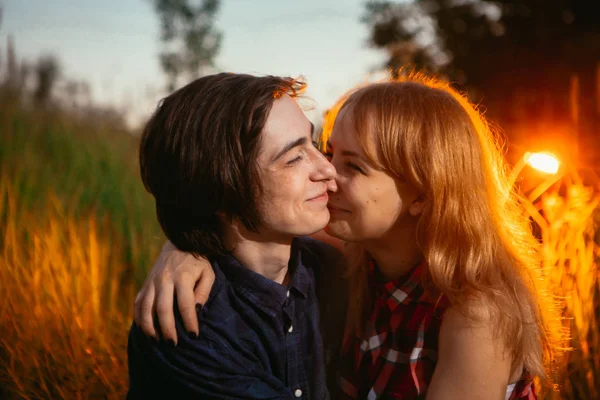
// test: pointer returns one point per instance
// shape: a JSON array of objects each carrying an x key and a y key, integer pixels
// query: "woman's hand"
[{"x": 174, "y": 272}]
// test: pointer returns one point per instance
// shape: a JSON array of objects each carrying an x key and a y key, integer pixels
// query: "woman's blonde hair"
[{"x": 476, "y": 240}]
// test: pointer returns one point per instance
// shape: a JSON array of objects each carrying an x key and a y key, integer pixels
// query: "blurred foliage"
[
  {"x": 88, "y": 167},
  {"x": 47, "y": 70},
  {"x": 567, "y": 219},
  {"x": 78, "y": 233},
  {"x": 515, "y": 57},
  {"x": 190, "y": 39}
]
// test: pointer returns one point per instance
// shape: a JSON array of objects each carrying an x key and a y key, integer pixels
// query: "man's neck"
[{"x": 267, "y": 258}]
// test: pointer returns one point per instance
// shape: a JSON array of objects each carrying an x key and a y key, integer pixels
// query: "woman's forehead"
[
  {"x": 344, "y": 126},
  {"x": 346, "y": 130}
]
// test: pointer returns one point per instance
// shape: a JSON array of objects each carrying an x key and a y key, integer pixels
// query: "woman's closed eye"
[
  {"x": 355, "y": 167},
  {"x": 329, "y": 155}
]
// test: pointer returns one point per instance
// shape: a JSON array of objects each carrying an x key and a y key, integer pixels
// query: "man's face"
[{"x": 295, "y": 176}]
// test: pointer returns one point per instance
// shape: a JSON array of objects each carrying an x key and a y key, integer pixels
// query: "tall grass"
[
  {"x": 77, "y": 234},
  {"x": 568, "y": 222}
]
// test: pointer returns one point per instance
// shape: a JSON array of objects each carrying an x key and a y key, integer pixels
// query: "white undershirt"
[{"x": 509, "y": 389}]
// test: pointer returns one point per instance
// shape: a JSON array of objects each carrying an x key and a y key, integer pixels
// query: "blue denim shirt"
[{"x": 258, "y": 339}]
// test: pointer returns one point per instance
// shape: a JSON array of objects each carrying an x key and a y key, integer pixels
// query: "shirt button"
[
  {"x": 290, "y": 329},
  {"x": 298, "y": 393},
  {"x": 288, "y": 293}
]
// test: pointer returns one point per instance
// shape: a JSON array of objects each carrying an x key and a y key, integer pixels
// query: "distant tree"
[
  {"x": 190, "y": 39},
  {"x": 12, "y": 72},
  {"x": 47, "y": 72}
]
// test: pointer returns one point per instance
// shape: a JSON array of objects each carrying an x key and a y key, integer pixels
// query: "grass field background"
[{"x": 77, "y": 234}]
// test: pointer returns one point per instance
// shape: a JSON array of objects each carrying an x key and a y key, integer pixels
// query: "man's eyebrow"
[{"x": 298, "y": 142}]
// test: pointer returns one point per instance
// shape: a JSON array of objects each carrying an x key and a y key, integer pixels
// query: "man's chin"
[{"x": 311, "y": 231}]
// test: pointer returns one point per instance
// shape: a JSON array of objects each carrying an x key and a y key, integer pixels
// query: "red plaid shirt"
[{"x": 396, "y": 356}]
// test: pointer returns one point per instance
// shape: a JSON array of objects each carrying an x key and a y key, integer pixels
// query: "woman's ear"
[{"x": 417, "y": 206}]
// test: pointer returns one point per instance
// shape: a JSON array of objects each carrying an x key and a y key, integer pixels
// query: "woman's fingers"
[
  {"x": 204, "y": 286},
  {"x": 164, "y": 310},
  {"x": 174, "y": 272},
  {"x": 184, "y": 287},
  {"x": 142, "y": 310}
]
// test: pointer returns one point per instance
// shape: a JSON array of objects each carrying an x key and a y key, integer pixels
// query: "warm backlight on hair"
[{"x": 544, "y": 162}]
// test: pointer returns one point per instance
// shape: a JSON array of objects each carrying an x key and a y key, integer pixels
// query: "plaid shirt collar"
[{"x": 403, "y": 290}]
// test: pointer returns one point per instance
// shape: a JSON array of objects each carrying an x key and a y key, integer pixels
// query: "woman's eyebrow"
[{"x": 349, "y": 153}]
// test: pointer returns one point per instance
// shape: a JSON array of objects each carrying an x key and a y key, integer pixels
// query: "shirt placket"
[{"x": 297, "y": 379}]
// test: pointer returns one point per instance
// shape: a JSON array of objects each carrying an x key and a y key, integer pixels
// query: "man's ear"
[{"x": 417, "y": 206}]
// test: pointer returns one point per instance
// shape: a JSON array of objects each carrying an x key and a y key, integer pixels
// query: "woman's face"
[{"x": 369, "y": 203}]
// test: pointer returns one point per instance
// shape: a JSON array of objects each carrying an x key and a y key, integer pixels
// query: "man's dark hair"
[{"x": 198, "y": 156}]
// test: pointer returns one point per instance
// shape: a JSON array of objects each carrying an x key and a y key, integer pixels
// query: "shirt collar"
[
  {"x": 300, "y": 278},
  {"x": 266, "y": 293}
]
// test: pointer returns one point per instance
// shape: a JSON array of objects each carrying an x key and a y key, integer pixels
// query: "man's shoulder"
[
  {"x": 207, "y": 350},
  {"x": 204, "y": 367}
]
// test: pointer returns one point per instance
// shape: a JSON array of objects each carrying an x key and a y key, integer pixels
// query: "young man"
[{"x": 230, "y": 161}]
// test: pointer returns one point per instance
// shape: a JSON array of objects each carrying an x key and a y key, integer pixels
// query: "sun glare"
[{"x": 543, "y": 162}]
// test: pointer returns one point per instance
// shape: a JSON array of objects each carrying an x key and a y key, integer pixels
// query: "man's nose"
[{"x": 324, "y": 170}]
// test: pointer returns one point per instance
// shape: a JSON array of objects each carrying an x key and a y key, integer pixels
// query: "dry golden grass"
[
  {"x": 569, "y": 222},
  {"x": 64, "y": 327},
  {"x": 77, "y": 235}
]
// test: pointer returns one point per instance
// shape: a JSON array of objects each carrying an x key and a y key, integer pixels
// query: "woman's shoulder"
[
  {"x": 473, "y": 315},
  {"x": 471, "y": 331},
  {"x": 471, "y": 357}
]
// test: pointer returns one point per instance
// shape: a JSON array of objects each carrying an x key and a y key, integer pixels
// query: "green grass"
[
  {"x": 89, "y": 169},
  {"x": 78, "y": 232}
]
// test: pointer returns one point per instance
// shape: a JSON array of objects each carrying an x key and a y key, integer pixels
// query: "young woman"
[{"x": 446, "y": 297}]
